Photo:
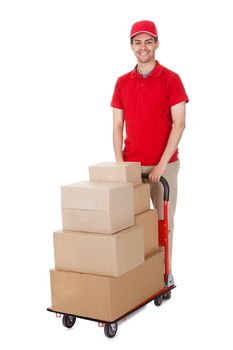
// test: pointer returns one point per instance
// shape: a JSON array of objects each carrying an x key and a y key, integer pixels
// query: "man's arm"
[
  {"x": 178, "y": 117},
  {"x": 118, "y": 125}
]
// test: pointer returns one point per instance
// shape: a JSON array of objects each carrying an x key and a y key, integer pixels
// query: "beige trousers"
[{"x": 156, "y": 193}]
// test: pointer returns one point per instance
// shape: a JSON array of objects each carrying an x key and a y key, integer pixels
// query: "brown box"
[
  {"x": 149, "y": 221},
  {"x": 141, "y": 198},
  {"x": 116, "y": 171},
  {"x": 101, "y": 254},
  {"x": 105, "y": 207},
  {"x": 106, "y": 298}
]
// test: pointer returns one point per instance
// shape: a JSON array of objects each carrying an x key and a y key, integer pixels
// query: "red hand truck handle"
[
  {"x": 163, "y": 224},
  {"x": 165, "y": 186}
]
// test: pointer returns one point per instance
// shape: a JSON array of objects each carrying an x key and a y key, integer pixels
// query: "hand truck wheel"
[
  {"x": 110, "y": 329},
  {"x": 158, "y": 300},
  {"x": 167, "y": 295},
  {"x": 68, "y": 321}
]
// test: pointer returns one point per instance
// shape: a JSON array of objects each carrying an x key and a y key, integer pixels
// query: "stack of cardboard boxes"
[{"x": 107, "y": 258}]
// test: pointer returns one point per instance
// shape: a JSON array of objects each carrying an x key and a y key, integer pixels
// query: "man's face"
[{"x": 144, "y": 47}]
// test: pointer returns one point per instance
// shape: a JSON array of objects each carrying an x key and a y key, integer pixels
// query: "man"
[{"x": 150, "y": 102}]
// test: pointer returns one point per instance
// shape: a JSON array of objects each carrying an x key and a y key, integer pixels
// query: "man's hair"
[{"x": 155, "y": 38}]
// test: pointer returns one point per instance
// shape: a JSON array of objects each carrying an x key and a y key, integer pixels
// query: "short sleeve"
[
  {"x": 116, "y": 98},
  {"x": 176, "y": 91}
]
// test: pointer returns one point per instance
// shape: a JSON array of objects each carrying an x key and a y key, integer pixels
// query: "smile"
[{"x": 143, "y": 53}]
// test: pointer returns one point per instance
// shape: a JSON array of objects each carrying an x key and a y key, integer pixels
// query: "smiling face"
[{"x": 144, "y": 46}]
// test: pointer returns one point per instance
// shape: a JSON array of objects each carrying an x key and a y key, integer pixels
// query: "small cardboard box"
[
  {"x": 149, "y": 221},
  {"x": 116, "y": 172},
  {"x": 101, "y": 254},
  {"x": 103, "y": 207},
  {"x": 141, "y": 198},
  {"x": 106, "y": 298}
]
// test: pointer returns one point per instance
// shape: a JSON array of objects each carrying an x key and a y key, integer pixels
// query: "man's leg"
[{"x": 156, "y": 192}]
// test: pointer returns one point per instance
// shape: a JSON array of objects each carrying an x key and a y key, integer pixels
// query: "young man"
[{"x": 150, "y": 102}]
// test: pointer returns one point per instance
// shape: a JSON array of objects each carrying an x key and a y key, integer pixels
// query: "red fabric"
[
  {"x": 147, "y": 103},
  {"x": 144, "y": 27}
]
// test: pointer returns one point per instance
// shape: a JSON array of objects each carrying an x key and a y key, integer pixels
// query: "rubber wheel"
[
  {"x": 167, "y": 295},
  {"x": 110, "y": 329},
  {"x": 68, "y": 321},
  {"x": 158, "y": 300}
]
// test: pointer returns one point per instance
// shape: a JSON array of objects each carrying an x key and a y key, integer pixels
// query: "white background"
[{"x": 59, "y": 62}]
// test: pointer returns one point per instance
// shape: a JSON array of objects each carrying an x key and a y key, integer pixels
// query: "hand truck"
[{"x": 110, "y": 328}]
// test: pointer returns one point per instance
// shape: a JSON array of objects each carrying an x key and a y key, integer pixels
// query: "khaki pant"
[{"x": 156, "y": 192}]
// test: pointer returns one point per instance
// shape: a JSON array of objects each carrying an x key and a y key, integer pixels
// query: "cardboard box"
[
  {"x": 149, "y": 221},
  {"x": 116, "y": 171},
  {"x": 101, "y": 207},
  {"x": 106, "y": 298},
  {"x": 141, "y": 198},
  {"x": 101, "y": 254}
]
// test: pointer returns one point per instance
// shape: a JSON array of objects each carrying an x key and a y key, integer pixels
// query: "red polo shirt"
[{"x": 147, "y": 103}]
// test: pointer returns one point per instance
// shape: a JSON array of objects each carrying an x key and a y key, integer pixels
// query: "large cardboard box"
[
  {"x": 116, "y": 171},
  {"x": 106, "y": 298},
  {"x": 101, "y": 254},
  {"x": 149, "y": 221},
  {"x": 105, "y": 207},
  {"x": 141, "y": 198}
]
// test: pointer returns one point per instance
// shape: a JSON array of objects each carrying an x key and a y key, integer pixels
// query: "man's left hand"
[{"x": 157, "y": 172}]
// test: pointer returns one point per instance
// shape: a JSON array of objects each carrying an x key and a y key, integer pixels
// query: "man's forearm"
[
  {"x": 172, "y": 143},
  {"x": 178, "y": 118},
  {"x": 118, "y": 143}
]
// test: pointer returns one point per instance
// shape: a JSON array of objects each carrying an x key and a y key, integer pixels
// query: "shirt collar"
[{"x": 155, "y": 73}]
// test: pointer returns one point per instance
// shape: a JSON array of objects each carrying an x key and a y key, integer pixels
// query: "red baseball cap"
[{"x": 144, "y": 27}]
